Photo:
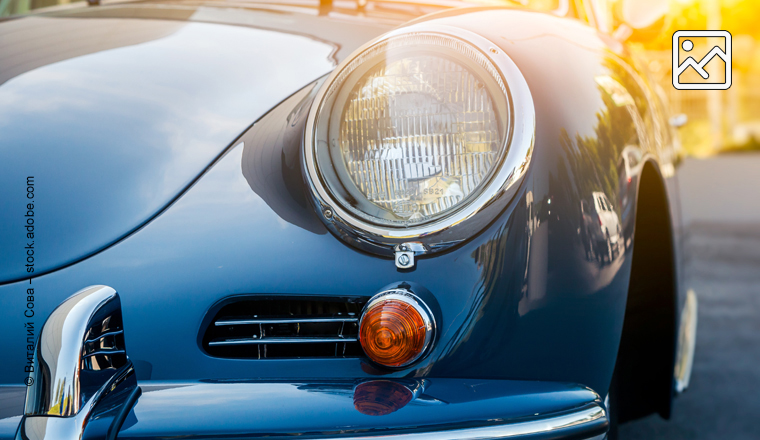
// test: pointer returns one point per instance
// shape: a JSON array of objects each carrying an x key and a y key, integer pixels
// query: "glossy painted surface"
[
  {"x": 314, "y": 407},
  {"x": 526, "y": 299},
  {"x": 114, "y": 135}
]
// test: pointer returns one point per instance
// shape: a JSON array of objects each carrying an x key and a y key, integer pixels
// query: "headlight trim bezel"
[
  {"x": 335, "y": 176},
  {"x": 466, "y": 220}
]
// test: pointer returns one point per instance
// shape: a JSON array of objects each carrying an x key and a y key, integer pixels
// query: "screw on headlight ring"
[{"x": 404, "y": 260}]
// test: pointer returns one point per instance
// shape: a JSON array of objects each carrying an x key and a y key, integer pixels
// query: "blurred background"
[{"x": 719, "y": 121}]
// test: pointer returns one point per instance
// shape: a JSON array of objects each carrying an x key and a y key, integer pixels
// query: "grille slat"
[
  {"x": 281, "y": 321},
  {"x": 257, "y": 328},
  {"x": 103, "y": 336},
  {"x": 103, "y": 353},
  {"x": 269, "y": 340}
]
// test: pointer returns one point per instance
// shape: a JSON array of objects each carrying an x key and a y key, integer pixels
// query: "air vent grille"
[
  {"x": 285, "y": 328},
  {"x": 103, "y": 347}
]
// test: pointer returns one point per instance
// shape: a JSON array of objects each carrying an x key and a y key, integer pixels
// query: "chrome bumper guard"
[{"x": 80, "y": 362}]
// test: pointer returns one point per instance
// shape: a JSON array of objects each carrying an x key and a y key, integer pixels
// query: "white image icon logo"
[{"x": 684, "y": 64}]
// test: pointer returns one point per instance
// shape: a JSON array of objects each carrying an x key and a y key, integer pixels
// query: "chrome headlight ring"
[{"x": 469, "y": 217}]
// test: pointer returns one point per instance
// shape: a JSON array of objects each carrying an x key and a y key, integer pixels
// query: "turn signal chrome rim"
[{"x": 396, "y": 328}]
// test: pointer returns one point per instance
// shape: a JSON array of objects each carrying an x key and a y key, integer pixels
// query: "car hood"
[{"x": 106, "y": 120}]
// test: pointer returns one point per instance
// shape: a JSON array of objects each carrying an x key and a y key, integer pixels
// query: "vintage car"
[{"x": 351, "y": 219}]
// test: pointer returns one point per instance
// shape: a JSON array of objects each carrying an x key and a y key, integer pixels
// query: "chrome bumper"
[{"x": 588, "y": 420}]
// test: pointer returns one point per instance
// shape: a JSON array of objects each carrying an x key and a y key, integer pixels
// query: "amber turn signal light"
[{"x": 395, "y": 329}]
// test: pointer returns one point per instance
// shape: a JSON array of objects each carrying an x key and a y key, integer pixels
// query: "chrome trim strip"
[
  {"x": 467, "y": 220},
  {"x": 103, "y": 352},
  {"x": 290, "y": 340},
  {"x": 591, "y": 418},
  {"x": 282, "y": 321},
  {"x": 104, "y": 335},
  {"x": 410, "y": 298}
]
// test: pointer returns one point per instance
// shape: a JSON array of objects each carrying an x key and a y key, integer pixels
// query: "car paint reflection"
[
  {"x": 123, "y": 131},
  {"x": 381, "y": 397},
  {"x": 600, "y": 228}
]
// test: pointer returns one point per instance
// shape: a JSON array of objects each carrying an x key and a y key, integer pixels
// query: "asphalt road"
[{"x": 721, "y": 208}]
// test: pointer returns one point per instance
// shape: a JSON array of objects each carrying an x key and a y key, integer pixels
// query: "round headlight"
[
  {"x": 413, "y": 135},
  {"x": 412, "y": 129}
]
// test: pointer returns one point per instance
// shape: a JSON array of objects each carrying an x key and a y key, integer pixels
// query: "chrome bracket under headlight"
[
  {"x": 405, "y": 241},
  {"x": 404, "y": 254}
]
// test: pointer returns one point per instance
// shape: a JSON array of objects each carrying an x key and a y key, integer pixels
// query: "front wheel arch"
[{"x": 646, "y": 357}]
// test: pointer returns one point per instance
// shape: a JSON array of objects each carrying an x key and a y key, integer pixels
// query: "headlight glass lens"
[{"x": 412, "y": 129}]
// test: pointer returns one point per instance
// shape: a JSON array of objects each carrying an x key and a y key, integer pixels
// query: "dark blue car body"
[{"x": 163, "y": 140}]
